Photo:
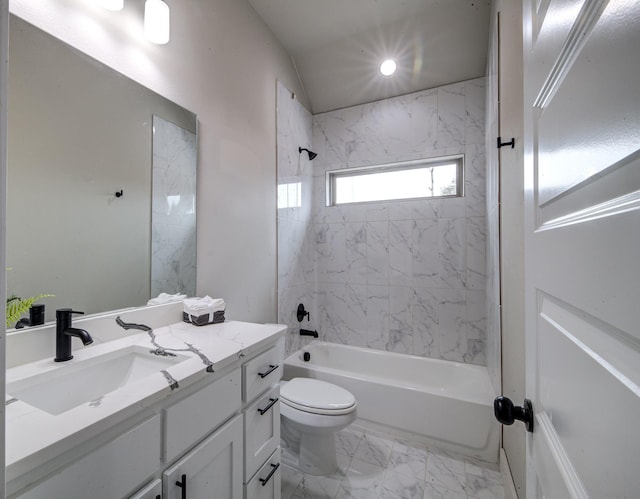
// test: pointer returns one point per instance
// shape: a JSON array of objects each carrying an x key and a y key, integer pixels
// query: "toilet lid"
[{"x": 310, "y": 394}]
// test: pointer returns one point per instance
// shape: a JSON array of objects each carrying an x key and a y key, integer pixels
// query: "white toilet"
[{"x": 311, "y": 412}]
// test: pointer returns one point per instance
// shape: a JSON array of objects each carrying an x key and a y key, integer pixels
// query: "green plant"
[{"x": 17, "y": 306}]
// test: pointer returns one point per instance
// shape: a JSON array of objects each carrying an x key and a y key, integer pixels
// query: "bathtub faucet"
[{"x": 307, "y": 332}]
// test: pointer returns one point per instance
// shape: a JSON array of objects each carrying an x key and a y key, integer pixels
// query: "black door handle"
[
  {"x": 183, "y": 485},
  {"x": 507, "y": 413}
]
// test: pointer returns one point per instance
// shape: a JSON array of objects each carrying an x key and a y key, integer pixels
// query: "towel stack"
[
  {"x": 166, "y": 298},
  {"x": 202, "y": 311}
]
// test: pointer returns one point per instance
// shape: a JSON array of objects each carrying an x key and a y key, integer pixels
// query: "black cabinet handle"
[
  {"x": 274, "y": 468},
  {"x": 272, "y": 367},
  {"x": 271, "y": 404},
  {"x": 183, "y": 485}
]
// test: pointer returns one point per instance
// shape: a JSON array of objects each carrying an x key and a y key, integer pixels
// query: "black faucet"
[{"x": 64, "y": 332}]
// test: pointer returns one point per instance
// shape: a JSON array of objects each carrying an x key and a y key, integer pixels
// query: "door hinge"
[{"x": 511, "y": 143}]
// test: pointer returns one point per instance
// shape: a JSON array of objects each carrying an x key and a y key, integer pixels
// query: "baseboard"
[{"x": 505, "y": 471}]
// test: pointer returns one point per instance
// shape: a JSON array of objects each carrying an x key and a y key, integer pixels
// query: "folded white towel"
[
  {"x": 199, "y": 306},
  {"x": 166, "y": 298}
]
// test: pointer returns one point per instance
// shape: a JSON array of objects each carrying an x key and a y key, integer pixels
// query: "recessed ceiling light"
[{"x": 388, "y": 67}]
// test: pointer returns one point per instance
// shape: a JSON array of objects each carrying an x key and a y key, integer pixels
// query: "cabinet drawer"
[
  {"x": 261, "y": 372},
  {"x": 113, "y": 470},
  {"x": 190, "y": 419},
  {"x": 266, "y": 483},
  {"x": 261, "y": 431}
]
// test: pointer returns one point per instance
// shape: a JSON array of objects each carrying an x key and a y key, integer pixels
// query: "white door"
[{"x": 582, "y": 195}]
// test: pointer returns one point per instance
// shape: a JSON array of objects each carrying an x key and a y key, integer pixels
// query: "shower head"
[{"x": 312, "y": 155}]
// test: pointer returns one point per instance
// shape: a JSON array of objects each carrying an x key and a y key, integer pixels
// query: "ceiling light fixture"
[
  {"x": 388, "y": 67},
  {"x": 156, "y": 21},
  {"x": 111, "y": 4}
]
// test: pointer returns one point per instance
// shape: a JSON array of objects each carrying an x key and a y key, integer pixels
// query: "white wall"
[{"x": 221, "y": 63}]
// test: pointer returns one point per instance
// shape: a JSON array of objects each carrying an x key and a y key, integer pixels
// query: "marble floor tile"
[
  {"x": 438, "y": 461},
  {"x": 484, "y": 486},
  {"x": 434, "y": 492},
  {"x": 446, "y": 471},
  {"x": 377, "y": 466},
  {"x": 362, "y": 481},
  {"x": 408, "y": 460},
  {"x": 400, "y": 486},
  {"x": 290, "y": 479},
  {"x": 316, "y": 487},
  {"x": 347, "y": 441},
  {"x": 374, "y": 449}
]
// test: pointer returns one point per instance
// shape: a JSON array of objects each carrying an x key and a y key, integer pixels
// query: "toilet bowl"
[{"x": 311, "y": 412}]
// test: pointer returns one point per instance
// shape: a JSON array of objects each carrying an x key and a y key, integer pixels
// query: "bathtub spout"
[{"x": 307, "y": 332}]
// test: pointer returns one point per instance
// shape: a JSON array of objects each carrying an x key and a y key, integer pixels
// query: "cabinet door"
[
  {"x": 113, "y": 470},
  {"x": 213, "y": 469},
  {"x": 152, "y": 490},
  {"x": 189, "y": 420}
]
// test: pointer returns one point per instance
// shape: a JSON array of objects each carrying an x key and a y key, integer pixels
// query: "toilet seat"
[{"x": 317, "y": 397}]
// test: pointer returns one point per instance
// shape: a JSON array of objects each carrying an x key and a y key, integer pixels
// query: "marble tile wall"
[
  {"x": 403, "y": 276},
  {"x": 296, "y": 279},
  {"x": 173, "y": 214}
]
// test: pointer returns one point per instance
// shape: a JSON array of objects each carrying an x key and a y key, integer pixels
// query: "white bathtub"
[{"x": 445, "y": 403}]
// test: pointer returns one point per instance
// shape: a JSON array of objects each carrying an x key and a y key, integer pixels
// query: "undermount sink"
[{"x": 78, "y": 382}]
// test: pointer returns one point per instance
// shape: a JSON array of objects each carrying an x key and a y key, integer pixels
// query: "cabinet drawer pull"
[
  {"x": 272, "y": 367},
  {"x": 274, "y": 468},
  {"x": 271, "y": 404},
  {"x": 183, "y": 485}
]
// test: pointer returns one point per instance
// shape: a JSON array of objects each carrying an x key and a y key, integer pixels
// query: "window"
[
  {"x": 290, "y": 195},
  {"x": 424, "y": 178}
]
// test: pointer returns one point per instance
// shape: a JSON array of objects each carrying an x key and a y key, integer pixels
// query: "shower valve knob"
[
  {"x": 507, "y": 413},
  {"x": 301, "y": 313}
]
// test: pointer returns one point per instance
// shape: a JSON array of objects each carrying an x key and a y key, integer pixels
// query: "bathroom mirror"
[{"x": 98, "y": 204}]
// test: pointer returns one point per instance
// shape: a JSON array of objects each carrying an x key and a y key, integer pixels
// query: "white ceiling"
[{"x": 338, "y": 45}]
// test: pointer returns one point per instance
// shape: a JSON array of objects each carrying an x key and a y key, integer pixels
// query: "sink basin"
[{"x": 76, "y": 383}]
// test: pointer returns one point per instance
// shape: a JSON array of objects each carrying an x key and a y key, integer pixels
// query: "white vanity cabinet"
[{"x": 217, "y": 438}]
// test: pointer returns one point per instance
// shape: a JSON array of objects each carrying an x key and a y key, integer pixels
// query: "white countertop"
[{"x": 34, "y": 436}]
